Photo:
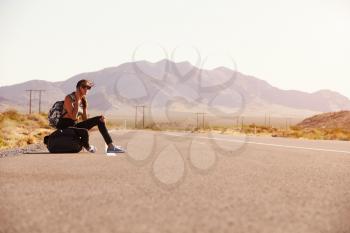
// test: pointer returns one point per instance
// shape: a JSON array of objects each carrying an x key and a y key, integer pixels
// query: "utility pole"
[
  {"x": 286, "y": 124},
  {"x": 290, "y": 122},
  {"x": 197, "y": 120},
  {"x": 40, "y": 100},
  {"x": 30, "y": 99},
  {"x": 203, "y": 119},
  {"x": 143, "y": 115},
  {"x": 197, "y": 114},
  {"x": 135, "y": 117}
]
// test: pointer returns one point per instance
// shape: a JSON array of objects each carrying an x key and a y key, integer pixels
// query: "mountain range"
[{"x": 177, "y": 86}]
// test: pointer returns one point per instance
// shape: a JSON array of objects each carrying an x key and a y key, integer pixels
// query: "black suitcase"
[{"x": 63, "y": 141}]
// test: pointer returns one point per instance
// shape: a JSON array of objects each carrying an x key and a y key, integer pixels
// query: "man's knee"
[{"x": 102, "y": 119}]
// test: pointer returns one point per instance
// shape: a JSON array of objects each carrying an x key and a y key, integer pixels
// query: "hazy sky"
[{"x": 299, "y": 44}]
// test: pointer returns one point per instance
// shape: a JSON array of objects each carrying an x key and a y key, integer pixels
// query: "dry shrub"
[
  {"x": 17, "y": 130},
  {"x": 20, "y": 142},
  {"x": 337, "y": 134},
  {"x": 3, "y": 143},
  {"x": 12, "y": 115},
  {"x": 31, "y": 139},
  {"x": 153, "y": 126},
  {"x": 40, "y": 120},
  {"x": 296, "y": 134}
]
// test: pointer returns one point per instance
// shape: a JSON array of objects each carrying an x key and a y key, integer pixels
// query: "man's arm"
[
  {"x": 84, "y": 114},
  {"x": 71, "y": 112},
  {"x": 84, "y": 104}
]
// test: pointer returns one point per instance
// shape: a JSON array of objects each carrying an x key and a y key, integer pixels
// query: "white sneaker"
[{"x": 92, "y": 149}]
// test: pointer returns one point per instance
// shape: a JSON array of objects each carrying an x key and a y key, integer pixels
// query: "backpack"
[
  {"x": 63, "y": 141},
  {"x": 57, "y": 111}
]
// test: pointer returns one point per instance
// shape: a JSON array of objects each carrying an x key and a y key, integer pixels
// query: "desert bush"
[
  {"x": 11, "y": 115},
  {"x": 3, "y": 143},
  {"x": 39, "y": 119},
  {"x": 17, "y": 130},
  {"x": 295, "y": 128}
]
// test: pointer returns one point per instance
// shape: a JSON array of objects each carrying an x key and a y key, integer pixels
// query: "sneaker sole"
[{"x": 114, "y": 153}]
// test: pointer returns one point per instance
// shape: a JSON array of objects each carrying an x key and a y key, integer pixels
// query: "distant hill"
[
  {"x": 332, "y": 120},
  {"x": 151, "y": 84},
  {"x": 8, "y": 104}
]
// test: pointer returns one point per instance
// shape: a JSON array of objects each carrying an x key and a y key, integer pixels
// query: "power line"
[{"x": 30, "y": 99}]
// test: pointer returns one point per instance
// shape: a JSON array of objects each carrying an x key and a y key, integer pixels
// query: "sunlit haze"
[{"x": 302, "y": 45}]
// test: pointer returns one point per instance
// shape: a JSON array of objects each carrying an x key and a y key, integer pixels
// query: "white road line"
[{"x": 263, "y": 144}]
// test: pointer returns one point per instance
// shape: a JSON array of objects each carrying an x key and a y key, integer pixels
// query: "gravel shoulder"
[{"x": 33, "y": 148}]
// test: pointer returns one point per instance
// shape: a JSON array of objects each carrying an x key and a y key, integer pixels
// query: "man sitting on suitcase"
[{"x": 75, "y": 106}]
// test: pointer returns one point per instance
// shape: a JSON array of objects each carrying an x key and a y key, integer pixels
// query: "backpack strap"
[{"x": 72, "y": 96}]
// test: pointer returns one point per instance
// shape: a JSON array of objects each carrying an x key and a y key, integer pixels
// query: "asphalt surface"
[{"x": 179, "y": 182}]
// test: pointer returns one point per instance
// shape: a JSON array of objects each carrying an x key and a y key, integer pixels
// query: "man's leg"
[
  {"x": 65, "y": 123},
  {"x": 91, "y": 122}
]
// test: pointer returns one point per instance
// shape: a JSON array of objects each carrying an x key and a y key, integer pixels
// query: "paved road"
[{"x": 178, "y": 182}]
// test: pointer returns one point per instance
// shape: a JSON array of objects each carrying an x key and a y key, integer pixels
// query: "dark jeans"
[{"x": 82, "y": 128}]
